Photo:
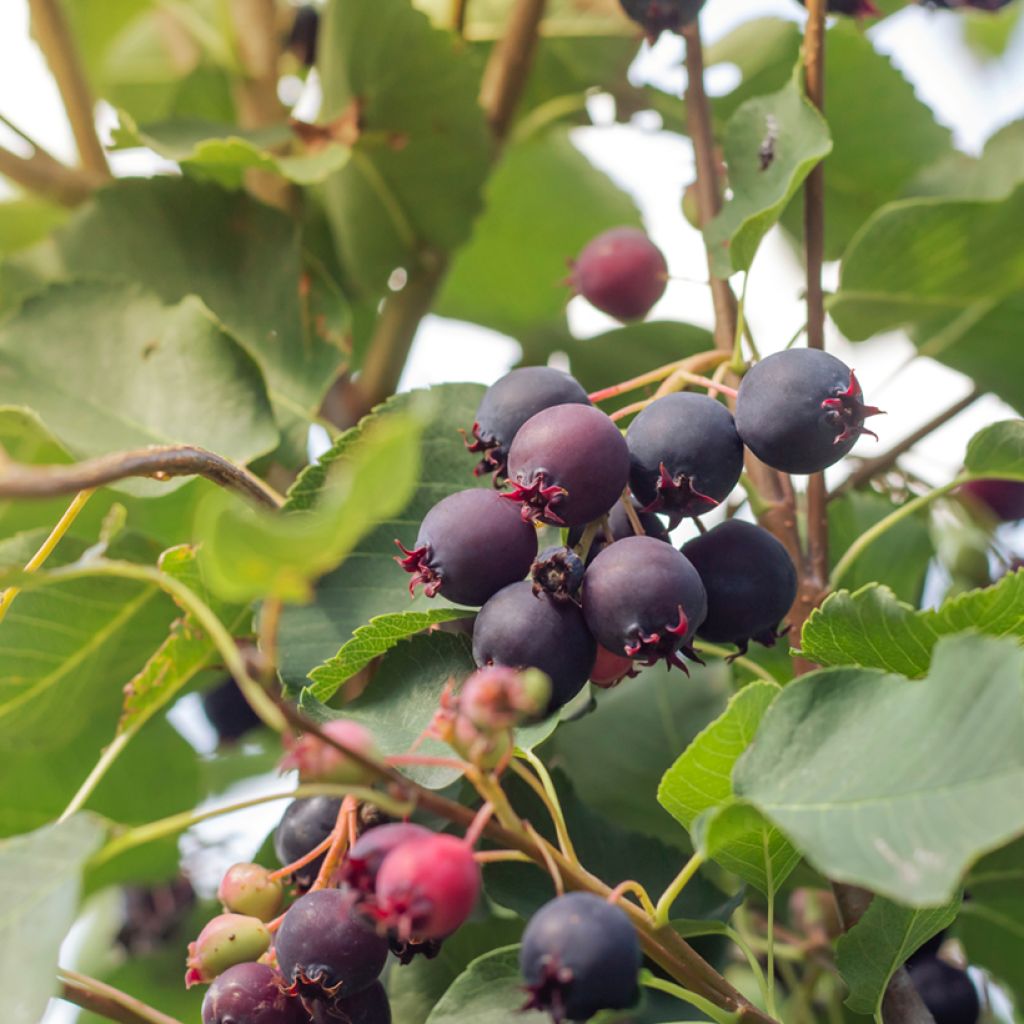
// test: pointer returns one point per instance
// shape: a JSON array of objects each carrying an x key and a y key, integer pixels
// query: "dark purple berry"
[
  {"x": 977, "y": 5},
  {"x": 947, "y": 991},
  {"x": 684, "y": 455},
  {"x": 229, "y": 712},
  {"x": 558, "y": 571},
  {"x": 371, "y": 1006},
  {"x": 303, "y": 36},
  {"x": 567, "y": 465},
  {"x": 365, "y": 858},
  {"x": 657, "y": 16},
  {"x": 620, "y": 272},
  {"x": 852, "y": 8},
  {"x": 509, "y": 402},
  {"x": 1003, "y": 498},
  {"x": 929, "y": 949},
  {"x": 250, "y": 994},
  {"x": 324, "y": 951},
  {"x": 643, "y": 599},
  {"x": 750, "y": 581},
  {"x": 521, "y": 629},
  {"x": 304, "y": 825},
  {"x": 801, "y": 410},
  {"x": 580, "y": 955},
  {"x": 470, "y": 545}
]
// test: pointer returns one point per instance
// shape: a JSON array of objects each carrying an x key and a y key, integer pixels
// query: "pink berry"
[
  {"x": 498, "y": 697},
  {"x": 621, "y": 272},
  {"x": 318, "y": 761},
  {"x": 364, "y": 860}
]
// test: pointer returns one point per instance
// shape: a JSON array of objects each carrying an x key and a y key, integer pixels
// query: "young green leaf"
[{"x": 997, "y": 451}]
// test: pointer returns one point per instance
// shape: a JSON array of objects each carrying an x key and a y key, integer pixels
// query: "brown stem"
[
  {"x": 256, "y": 37},
  {"x": 51, "y": 31},
  {"x": 41, "y": 174},
  {"x": 158, "y": 463},
  {"x": 108, "y": 1001},
  {"x": 870, "y": 468},
  {"x": 509, "y": 65}
]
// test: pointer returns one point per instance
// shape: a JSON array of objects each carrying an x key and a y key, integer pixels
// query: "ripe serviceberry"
[
  {"x": 978, "y": 5},
  {"x": 580, "y": 955},
  {"x": 227, "y": 939},
  {"x": 470, "y": 545},
  {"x": 684, "y": 455},
  {"x": 610, "y": 669},
  {"x": 509, "y": 402},
  {"x": 371, "y": 1006},
  {"x": 427, "y": 888},
  {"x": 644, "y": 599},
  {"x": 304, "y": 825},
  {"x": 947, "y": 991},
  {"x": 249, "y": 889},
  {"x": 324, "y": 951},
  {"x": 620, "y": 272},
  {"x": 1002, "y": 498},
  {"x": 250, "y": 993},
  {"x": 657, "y": 16},
  {"x": 567, "y": 465},
  {"x": 229, "y": 712},
  {"x": 499, "y": 697},
  {"x": 520, "y": 629},
  {"x": 558, "y": 571},
  {"x": 801, "y": 410},
  {"x": 302, "y": 38},
  {"x": 750, "y": 581},
  {"x": 317, "y": 761},
  {"x": 852, "y": 8},
  {"x": 360, "y": 868}
]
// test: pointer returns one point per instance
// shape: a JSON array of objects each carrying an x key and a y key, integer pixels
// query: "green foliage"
[{"x": 489, "y": 991}]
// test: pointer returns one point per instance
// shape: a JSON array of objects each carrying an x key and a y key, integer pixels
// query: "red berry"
[
  {"x": 610, "y": 668},
  {"x": 621, "y": 272},
  {"x": 367, "y": 855}
]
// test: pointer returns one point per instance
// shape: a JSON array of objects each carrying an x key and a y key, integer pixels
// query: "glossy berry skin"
[
  {"x": 365, "y": 858},
  {"x": 1003, "y": 498},
  {"x": 509, "y": 402},
  {"x": 643, "y": 599},
  {"x": 521, "y": 629},
  {"x": 426, "y": 889},
  {"x": 558, "y": 571},
  {"x": 801, "y": 410},
  {"x": 620, "y": 272},
  {"x": 250, "y": 994},
  {"x": 567, "y": 465},
  {"x": 324, "y": 951},
  {"x": 684, "y": 455},
  {"x": 580, "y": 955},
  {"x": 470, "y": 545},
  {"x": 750, "y": 581},
  {"x": 371, "y": 1006},
  {"x": 947, "y": 991},
  {"x": 304, "y": 825}
]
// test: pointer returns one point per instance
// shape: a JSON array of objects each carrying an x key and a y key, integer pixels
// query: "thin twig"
[
  {"x": 160, "y": 462},
  {"x": 509, "y": 65},
  {"x": 107, "y": 1001},
  {"x": 52, "y": 32},
  {"x": 46, "y": 177}
]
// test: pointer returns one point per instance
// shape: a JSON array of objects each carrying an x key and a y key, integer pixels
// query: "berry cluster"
[{"x": 618, "y": 594}]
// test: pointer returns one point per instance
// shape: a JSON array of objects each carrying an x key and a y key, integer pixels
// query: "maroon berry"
[
  {"x": 249, "y": 889},
  {"x": 801, "y": 410},
  {"x": 521, "y": 629},
  {"x": 426, "y": 889},
  {"x": 684, "y": 455},
  {"x": 567, "y": 465},
  {"x": 470, "y": 545},
  {"x": 318, "y": 761},
  {"x": 852, "y": 8},
  {"x": 610, "y": 669},
  {"x": 620, "y": 272},
  {"x": 509, "y": 402},
  {"x": 1003, "y": 498},
  {"x": 644, "y": 599},
  {"x": 371, "y": 1006},
  {"x": 365, "y": 858},
  {"x": 750, "y": 581},
  {"x": 324, "y": 951},
  {"x": 250, "y": 993}
]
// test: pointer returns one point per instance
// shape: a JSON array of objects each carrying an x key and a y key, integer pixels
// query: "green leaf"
[
  {"x": 370, "y": 584},
  {"x": 998, "y": 451},
  {"x": 377, "y": 637},
  {"x": 700, "y": 782},
  {"x": 877, "y": 945},
  {"x": 872, "y": 628},
  {"x": 26, "y": 221},
  {"x": 771, "y": 144},
  {"x": 249, "y": 553},
  {"x": 489, "y": 991},
  {"x": 223, "y": 153},
  {"x": 153, "y": 374},
  {"x": 40, "y": 879},
  {"x": 991, "y": 924},
  {"x": 894, "y": 785},
  {"x": 993, "y": 175},
  {"x": 510, "y": 275},
  {"x": 416, "y": 171}
]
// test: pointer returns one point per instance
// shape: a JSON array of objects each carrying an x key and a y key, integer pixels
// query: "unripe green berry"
[
  {"x": 249, "y": 889},
  {"x": 227, "y": 939}
]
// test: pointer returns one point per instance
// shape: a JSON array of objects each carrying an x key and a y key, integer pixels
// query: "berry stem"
[
  {"x": 616, "y": 895},
  {"x": 339, "y": 844},
  {"x": 307, "y": 858},
  {"x": 554, "y": 805},
  {"x": 107, "y": 1001},
  {"x": 631, "y": 514},
  {"x": 700, "y": 361},
  {"x": 628, "y": 410},
  {"x": 676, "y": 886},
  {"x": 703, "y": 647},
  {"x": 648, "y": 980},
  {"x": 428, "y": 761},
  {"x": 500, "y": 856},
  {"x": 680, "y": 378},
  {"x": 479, "y": 823}
]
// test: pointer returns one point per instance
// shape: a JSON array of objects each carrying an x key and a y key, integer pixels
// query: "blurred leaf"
[
  {"x": 250, "y": 553},
  {"x": 40, "y": 878},
  {"x": 989, "y": 32},
  {"x": 993, "y": 175},
  {"x": 26, "y": 221},
  {"x": 894, "y": 785},
  {"x": 899, "y": 559},
  {"x": 991, "y": 924},
  {"x": 153, "y": 374},
  {"x": 998, "y": 450},
  {"x": 877, "y": 945},
  {"x": 487, "y": 19},
  {"x": 771, "y": 145},
  {"x": 872, "y": 628},
  {"x": 510, "y": 275},
  {"x": 423, "y": 151},
  {"x": 370, "y": 583},
  {"x": 489, "y": 991},
  {"x": 377, "y": 637}
]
